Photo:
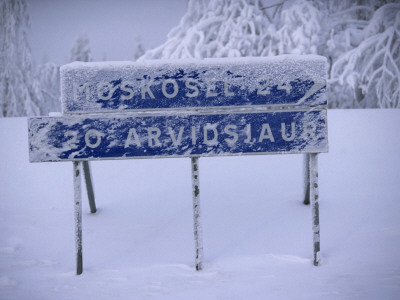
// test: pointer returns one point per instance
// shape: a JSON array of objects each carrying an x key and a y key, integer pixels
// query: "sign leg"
[
  {"x": 78, "y": 216},
  {"x": 89, "y": 186},
  {"x": 306, "y": 172},
  {"x": 198, "y": 239},
  {"x": 315, "y": 205}
]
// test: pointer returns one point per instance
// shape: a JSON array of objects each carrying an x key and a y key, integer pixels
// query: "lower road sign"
[{"x": 121, "y": 136}]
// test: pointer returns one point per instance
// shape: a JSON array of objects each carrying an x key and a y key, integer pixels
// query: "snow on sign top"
[{"x": 286, "y": 80}]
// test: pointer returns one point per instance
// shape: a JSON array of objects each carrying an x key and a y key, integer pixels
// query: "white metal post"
[
  {"x": 306, "y": 176},
  {"x": 78, "y": 216},
  {"x": 198, "y": 234},
  {"x": 89, "y": 186},
  {"x": 315, "y": 205}
]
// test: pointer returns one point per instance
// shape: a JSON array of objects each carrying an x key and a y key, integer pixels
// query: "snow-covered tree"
[
  {"x": 359, "y": 38},
  {"x": 17, "y": 95},
  {"x": 47, "y": 77},
  {"x": 230, "y": 28},
  {"x": 371, "y": 71},
  {"x": 299, "y": 29},
  {"x": 47, "y": 85},
  {"x": 139, "y": 49},
  {"x": 81, "y": 50},
  {"x": 222, "y": 28}
]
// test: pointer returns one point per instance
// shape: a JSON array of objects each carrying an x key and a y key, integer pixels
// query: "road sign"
[
  {"x": 122, "y": 136},
  {"x": 192, "y": 84}
]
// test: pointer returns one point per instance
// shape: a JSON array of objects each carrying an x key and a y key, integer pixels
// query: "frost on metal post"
[
  {"x": 198, "y": 234},
  {"x": 89, "y": 186},
  {"x": 313, "y": 160},
  {"x": 306, "y": 177},
  {"x": 78, "y": 216}
]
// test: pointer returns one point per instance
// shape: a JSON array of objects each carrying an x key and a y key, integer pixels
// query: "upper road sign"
[{"x": 192, "y": 84}]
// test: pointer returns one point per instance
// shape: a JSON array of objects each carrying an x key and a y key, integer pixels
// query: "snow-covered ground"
[{"x": 257, "y": 233}]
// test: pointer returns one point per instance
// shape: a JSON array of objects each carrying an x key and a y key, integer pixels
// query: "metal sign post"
[
  {"x": 315, "y": 205},
  {"x": 198, "y": 234},
  {"x": 89, "y": 186},
  {"x": 78, "y": 216}
]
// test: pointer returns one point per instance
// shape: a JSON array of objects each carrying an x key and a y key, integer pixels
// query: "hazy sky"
[{"x": 111, "y": 26}]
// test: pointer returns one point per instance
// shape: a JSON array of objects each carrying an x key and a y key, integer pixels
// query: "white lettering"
[
  {"x": 194, "y": 139},
  {"x": 211, "y": 90},
  {"x": 90, "y": 134},
  {"x": 132, "y": 138},
  {"x": 105, "y": 90},
  {"x": 146, "y": 89},
  {"x": 153, "y": 135},
  {"x": 214, "y": 140},
  {"x": 81, "y": 88},
  {"x": 228, "y": 130},
  {"x": 72, "y": 143},
  {"x": 176, "y": 141},
  {"x": 292, "y": 133},
  {"x": 285, "y": 86},
  {"x": 248, "y": 133},
  {"x": 125, "y": 88},
  {"x": 193, "y": 87},
  {"x": 226, "y": 90},
  {"x": 268, "y": 136},
  {"x": 164, "y": 88},
  {"x": 264, "y": 89}
]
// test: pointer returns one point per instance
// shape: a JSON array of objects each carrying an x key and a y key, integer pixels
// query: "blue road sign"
[
  {"x": 122, "y": 136},
  {"x": 209, "y": 83}
]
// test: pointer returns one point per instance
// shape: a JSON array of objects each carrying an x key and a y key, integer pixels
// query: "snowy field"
[{"x": 257, "y": 233}]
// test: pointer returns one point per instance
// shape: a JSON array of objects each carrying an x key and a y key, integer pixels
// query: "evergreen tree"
[
  {"x": 47, "y": 76},
  {"x": 81, "y": 50},
  {"x": 139, "y": 50},
  {"x": 17, "y": 95},
  {"x": 47, "y": 85}
]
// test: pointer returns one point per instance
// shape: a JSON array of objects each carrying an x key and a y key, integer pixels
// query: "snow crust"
[{"x": 116, "y": 65}]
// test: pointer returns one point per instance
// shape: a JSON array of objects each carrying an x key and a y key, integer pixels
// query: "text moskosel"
[{"x": 109, "y": 87}]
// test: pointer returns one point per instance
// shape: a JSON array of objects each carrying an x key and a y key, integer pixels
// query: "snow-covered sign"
[
  {"x": 121, "y": 136},
  {"x": 121, "y": 110},
  {"x": 197, "y": 108},
  {"x": 182, "y": 84}
]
